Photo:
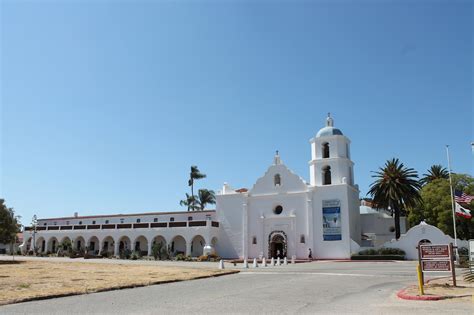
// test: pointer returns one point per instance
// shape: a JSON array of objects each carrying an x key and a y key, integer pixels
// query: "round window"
[{"x": 278, "y": 210}]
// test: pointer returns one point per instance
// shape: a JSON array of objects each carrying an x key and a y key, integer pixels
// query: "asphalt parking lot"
[{"x": 325, "y": 287}]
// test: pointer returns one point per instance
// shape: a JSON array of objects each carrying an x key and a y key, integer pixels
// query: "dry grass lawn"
[{"x": 31, "y": 280}]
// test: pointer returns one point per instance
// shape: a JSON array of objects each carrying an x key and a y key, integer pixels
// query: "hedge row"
[
  {"x": 382, "y": 251},
  {"x": 378, "y": 257}
]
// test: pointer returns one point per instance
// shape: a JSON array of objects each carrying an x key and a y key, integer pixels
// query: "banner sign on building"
[{"x": 332, "y": 220}]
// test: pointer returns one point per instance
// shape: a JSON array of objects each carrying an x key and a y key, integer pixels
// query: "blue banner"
[{"x": 332, "y": 220}]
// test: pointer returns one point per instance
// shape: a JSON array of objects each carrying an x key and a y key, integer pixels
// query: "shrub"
[
  {"x": 135, "y": 255},
  {"x": 106, "y": 254},
  {"x": 368, "y": 252},
  {"x": 378, "y": 257},
  {"x": 125, "y": 254},
  {"x": 210, "y": 257},
  {"x": 157, "y": 250},
  {"x": 165, "y": 254},
  {"x": 382, "y": 251},
  {"x": 180, "y": 256},
  {"x": 463, "y": 251}
]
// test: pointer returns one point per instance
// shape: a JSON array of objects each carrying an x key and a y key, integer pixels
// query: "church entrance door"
[{"x": 277, "y": 246}]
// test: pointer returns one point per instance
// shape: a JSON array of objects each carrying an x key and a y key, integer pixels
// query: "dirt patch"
[
  {"x": 39, "y": 280},
  {"x": 444, "y": 289}
]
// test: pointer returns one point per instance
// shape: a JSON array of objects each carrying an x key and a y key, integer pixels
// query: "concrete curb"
[
  {"x": 122, "y": 287},
  {"x": 402, "y": 294}
]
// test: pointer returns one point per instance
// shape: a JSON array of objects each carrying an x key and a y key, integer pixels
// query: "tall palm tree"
[
  {"x": 396, "y": 188},
  {"x": 195, "y": 174},
  {"x": 189, "y": 202},
  {"x": 435, "y": 172},
  {"x": 206, "y": 197}
]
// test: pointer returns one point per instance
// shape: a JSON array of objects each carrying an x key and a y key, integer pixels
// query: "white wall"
[
  {"x": 230, "y": 211},
  {"x": 409, "y": 241}
]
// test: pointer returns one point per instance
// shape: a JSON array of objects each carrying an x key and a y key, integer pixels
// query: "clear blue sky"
[{"x": 105, "y": 106}]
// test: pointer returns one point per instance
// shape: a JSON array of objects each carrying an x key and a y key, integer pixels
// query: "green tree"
[
  {"x": 395, "y": 188},
  {"x": 194, "y": 175},
  {"x": 436, "y": 208},
  {"x": 205, "y": 197},
  {"x": 9, "y": 224},
  {"x": 435, "y": 172},
  {"x": 463, "y": 182},
  {"x": 190, "y": 202}
]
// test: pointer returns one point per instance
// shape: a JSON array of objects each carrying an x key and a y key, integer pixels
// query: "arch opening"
[
  {"x": 93, "y": 245},
  {"x": 277, "y": 244},
  {"x": 53, "y": 245},
  {"x": 327, "y": 175},
  {"x": 178, "y": 245},
  {"x": 197, "y": 246},
  {"x": 141, "y": 245},
  {"x": 107, "y": 247},
  {"x": 325, "y": 150}
]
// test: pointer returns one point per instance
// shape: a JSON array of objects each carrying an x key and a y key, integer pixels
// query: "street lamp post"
[{"x": 34, "y": 223}]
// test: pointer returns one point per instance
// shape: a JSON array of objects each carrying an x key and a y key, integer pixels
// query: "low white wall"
[{"x": 423, "y": 231}]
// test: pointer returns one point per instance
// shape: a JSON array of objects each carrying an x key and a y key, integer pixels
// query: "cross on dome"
[{"x": 329, "y": 121}]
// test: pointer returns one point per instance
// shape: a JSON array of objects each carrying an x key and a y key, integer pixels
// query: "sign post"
[{"x": 436, "y": 258}]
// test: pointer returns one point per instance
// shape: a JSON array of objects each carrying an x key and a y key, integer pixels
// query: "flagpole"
[{"x": 452, "y": 201}]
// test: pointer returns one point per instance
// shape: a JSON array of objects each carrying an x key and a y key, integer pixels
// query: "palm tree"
[
  {"x": 194, "y": 175},
  {"x": 435, "y": 172},
  {"x": 205, "y": 197},
  {"x": 189, "y": 202},
  {"x": 396, "y": 188}
]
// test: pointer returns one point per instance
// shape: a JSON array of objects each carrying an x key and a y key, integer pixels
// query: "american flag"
[{"x": 462, "y": 197}]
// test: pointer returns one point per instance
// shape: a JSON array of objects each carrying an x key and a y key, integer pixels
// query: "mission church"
[{"x": 281, "y": 215}]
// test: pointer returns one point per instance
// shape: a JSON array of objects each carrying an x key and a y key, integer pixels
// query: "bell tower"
[{"x": 330, "y": 162}]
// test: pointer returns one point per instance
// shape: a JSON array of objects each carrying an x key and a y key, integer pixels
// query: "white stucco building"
[{"x": 280, "y": 215}]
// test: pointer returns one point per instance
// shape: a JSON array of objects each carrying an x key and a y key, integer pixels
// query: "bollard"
[
  {"x": 246, "y": 264},
  {"x": 420, "y": 279},
  {"x": 264, "y": 262},
  {"x": 278, "y": 261},
  {"x": 255, "y": 265},
  {"x": 221, "y": 264},
  {"x": 293, "y": 259},
  {"x": 272, "y": 262},
  {"x": 285, "y": 261}
]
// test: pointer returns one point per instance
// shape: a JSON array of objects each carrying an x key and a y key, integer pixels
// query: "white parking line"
[{"x": 319, "y": 274}]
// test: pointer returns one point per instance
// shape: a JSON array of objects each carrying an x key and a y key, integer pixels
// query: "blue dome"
[{"x": 328, "y": 131}]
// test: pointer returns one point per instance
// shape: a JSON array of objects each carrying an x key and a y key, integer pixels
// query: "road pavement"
[{"x": 316, "y": 288}]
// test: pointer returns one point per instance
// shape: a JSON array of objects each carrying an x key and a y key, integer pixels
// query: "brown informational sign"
[
  {"x": 435, "y": 258},
  {"x": 435, "y": 252},
  {"x": 436, "y": 265}
]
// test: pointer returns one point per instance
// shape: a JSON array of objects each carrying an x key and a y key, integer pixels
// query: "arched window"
[
  {"x": 277, "y": 180},
  {"x": 254, "y": 240},
  {"x": 327, "y": 175},
  {"x": 325, "y": 150},
  {"x": 302, "y": 240}
]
